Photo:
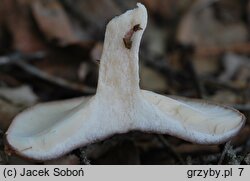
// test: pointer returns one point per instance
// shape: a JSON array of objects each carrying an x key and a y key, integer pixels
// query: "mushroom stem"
[{"x": 124, "y": 77}]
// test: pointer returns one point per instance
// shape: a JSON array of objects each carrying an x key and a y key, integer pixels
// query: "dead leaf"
[
  {"x": 202, "y": 29},
  {"x": 19, "y": 23},
  {"x": 95, "y": 13},
  {"x": 55, "y": 24}
]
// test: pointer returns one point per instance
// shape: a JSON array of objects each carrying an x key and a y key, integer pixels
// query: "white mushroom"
[{"x": 49, "y": 130}]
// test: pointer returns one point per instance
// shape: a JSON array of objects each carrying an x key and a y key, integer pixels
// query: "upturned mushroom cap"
[{"x": 49, "y": 130}]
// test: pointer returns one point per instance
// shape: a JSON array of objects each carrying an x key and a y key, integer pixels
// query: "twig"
[
  {"x": 19, "y": 59},
  {"x": 52, "y": 79},
  {"x": 170, "y": 147},
  {"x": 17, "y": 56}
]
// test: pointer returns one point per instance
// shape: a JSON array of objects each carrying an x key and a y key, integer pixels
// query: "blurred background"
[{"x": 49, "y": 50}]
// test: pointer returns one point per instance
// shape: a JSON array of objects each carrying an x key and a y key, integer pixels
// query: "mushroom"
[{"x": 50, "y": 130}]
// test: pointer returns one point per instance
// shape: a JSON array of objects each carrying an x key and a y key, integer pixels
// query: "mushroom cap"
[
  {"x": 49, "y": 130},
  {"x": 200, "y": 121}
]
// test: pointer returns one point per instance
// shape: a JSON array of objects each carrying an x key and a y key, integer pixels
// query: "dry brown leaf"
[
  {"x": 201, "y": 28},
  {"x": 19, "y": 23},
  {"x": 55, "y": 24}
]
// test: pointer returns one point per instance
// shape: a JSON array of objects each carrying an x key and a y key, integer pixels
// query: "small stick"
[
  {"x": 52, "y": 79},
  {"x": 17, "y": 56},
  {"x": 17, "y": 59}
]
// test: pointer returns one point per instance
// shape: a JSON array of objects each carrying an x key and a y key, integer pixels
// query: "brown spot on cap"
[{"x": 127, "y": 38}]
